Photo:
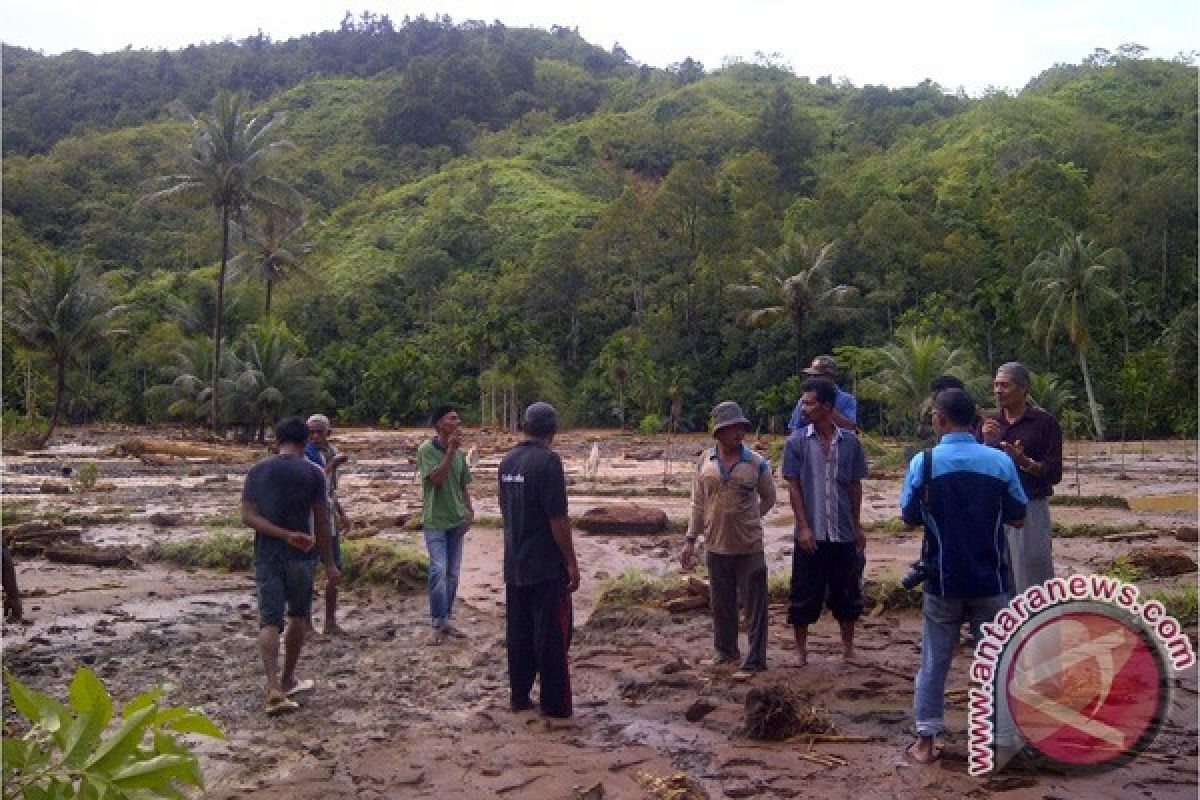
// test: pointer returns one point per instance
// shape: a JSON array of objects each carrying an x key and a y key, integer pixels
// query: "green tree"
[
  {"x": 274, "y": 379},
  {"x": 792, "y": 281},
  {"x": 1063, "y": 288},
  {"x": 274, "y": 249},
  {"x": 187, "y": 392},
  {"x": 907, "y": 365},
  {"x": 229, "y": 166},
  {"x": 61, "y": 310}
]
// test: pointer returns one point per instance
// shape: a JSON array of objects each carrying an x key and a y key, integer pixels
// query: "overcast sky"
[{"x": 971, "y": 44}]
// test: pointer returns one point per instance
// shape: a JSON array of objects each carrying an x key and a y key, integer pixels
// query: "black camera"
[{"x": 916, "y": 575}]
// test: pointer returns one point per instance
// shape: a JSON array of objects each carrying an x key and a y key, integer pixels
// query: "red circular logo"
[{"x": 1084, "y": 688}]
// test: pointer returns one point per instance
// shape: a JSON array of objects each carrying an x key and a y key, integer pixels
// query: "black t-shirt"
[
  {"x": 284, "y": 490},
  {"x": 533, "y": 490}
]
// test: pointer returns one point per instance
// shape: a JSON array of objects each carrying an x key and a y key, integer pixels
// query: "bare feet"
[
  {"x": 333, "y": 629},
  {"x": 924, "y": 750},
  {"x": 453, "y": 632}
]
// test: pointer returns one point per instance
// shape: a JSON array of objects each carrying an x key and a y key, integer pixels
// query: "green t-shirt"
[{"x": 443, "y": 506}]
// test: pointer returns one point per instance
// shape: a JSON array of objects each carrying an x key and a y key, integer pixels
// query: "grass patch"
[
  {"x": 1087, "y": 530},
  {"x": 636, "y": 588},
  {"x": 101, "y": 517},
  {"x": 882, "y": 453},
  {"x": 1089, "y": 500},
  {"x": 1180, "y": 603},
  {"x": 231, "y": 520},
  {"x": 886, "y": 525},
  {"x": 1124, "y": 570},
  {"x": 230, "y": 552},
  {"x": 779, "y": 587},
  {"x": 891, "y": 595},
  {"x": 399, "y": 567}
]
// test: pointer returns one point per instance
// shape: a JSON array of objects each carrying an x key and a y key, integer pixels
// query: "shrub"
[
  {"x": 652, "y": 423},
  {"x": 1180, "y": 603},
  {"x": 63, "y": 754},
  {"x": 87, "y": 475}
]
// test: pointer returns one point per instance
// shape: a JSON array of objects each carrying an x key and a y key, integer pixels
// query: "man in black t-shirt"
[
  {"x": 540, "y": 570},
  {"x": 283, "y": 498}
]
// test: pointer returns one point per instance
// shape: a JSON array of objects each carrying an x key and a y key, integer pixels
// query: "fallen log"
[
  {"x": 89, "y": 555},
  {"x": 137, "y": 448}
]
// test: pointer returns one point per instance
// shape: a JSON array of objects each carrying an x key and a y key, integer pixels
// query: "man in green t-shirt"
[{"x": 447, "y": 515}]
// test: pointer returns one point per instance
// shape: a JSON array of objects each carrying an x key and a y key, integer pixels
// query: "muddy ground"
[{"x": 395, "y": 717}]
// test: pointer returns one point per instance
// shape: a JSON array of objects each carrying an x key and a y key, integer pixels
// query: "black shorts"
[
  {"x": 832, "y": 576},
  {"x": 283, "y": 584}
]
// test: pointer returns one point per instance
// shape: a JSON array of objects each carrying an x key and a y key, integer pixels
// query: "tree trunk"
[
  {"x": 798, "y": 333},
  {"x": 267, "y": 310},
  {"x": 60, "y": 387},
  {"x": 1091, "y": 398},
  {"x": 214, "y": 415}
]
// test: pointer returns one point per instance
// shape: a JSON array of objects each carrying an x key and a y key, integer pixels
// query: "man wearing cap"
[
  {"x": 1033, "y": 439},
  {"x": 845, "y": 406},
  {"x": 321, "y": 452},
  {"x": 731, "y": 492},
  {"x": 824, "y": 465},
  {"x": 447, "y": 514},
  {"x": 540, "y": 570}
]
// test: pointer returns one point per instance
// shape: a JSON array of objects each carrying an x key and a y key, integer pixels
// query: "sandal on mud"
[
  {"x": 302, "y": 687},
  {"x": 281, "y": 705}
]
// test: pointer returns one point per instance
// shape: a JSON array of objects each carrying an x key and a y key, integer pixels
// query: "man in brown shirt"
[
  {"x": 733, "y": 489},
  {"x": 1033, "y": 439}
]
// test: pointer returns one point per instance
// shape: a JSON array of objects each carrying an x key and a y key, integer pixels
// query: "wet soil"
[{"x": 396, "y": 717}]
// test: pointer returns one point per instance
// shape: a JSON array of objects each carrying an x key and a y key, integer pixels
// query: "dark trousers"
[
  {"x": 734, "y": 578},
  {"x": 831, "y": 576},
  {"x": 538, "y": 627}
]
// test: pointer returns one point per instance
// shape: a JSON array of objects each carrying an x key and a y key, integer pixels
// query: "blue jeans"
[
  {"x": 445, "y": 558},
  {"x": 944, "y": 617}
]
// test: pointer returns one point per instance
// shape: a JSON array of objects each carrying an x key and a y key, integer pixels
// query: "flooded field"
[{"x": 394, "y": 717}]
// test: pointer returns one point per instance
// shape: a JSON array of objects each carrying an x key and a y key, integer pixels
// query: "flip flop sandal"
[
  {"x": 302, "y": 687},
  {"x": 277, "y": 706}
]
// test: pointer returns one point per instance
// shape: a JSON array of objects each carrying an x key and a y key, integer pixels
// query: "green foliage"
[
  {"x": 1123, "y": 570},
  {"x": 1180, "y": 603},
  {"x": 907, "y": 366},
  {"x": 87, "y": 475},
  {"x": 652, "y": 423},
  {"x": 66, "y": 753},
  {"x": 507, "y": 209},
  {"x": 232, "y": 552}
]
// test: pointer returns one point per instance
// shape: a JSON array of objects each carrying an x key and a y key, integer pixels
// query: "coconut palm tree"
[
  {"x": 62, "y": 310},
  {"x": 229, "y": 167},
  {"x": 906, "y": 368},
  {"x": 274, "y": 379},
  {"x": 188, "y": 387},
  {"x": 792, "y": 281},
  {"x": 274, "y": 249},
  {"x": 1063, "y": 288}
]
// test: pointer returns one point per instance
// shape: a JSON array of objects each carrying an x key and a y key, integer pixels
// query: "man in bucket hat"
[{"x": 732, "y": 490}]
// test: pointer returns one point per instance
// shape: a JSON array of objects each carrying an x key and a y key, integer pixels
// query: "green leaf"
[
  {"x": 39, "y": 708},
  {"x": 14, "y": 753},
  {"x": 143, "y": 700},
  {"x": 118, "y": 747},
  {"x": 193, "y": 721},
  {"x": 154, "y": 772},
  {"x": 91, "y": 700}
]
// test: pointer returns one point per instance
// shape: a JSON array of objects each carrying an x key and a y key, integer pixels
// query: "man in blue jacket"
[{"x": 964, "y": 499}]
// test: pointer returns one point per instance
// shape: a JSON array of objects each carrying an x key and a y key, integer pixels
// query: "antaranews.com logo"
[{"x": 1078, "y": 668}]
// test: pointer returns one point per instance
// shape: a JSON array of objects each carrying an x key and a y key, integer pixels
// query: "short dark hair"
[
  {"x": 825, "y": 390},
  {"x": 944, "y": 382},
  {"x": 956, "y": 405},
  {"x": 291, "y": 430},
  {"x": 439, "y": 412}
]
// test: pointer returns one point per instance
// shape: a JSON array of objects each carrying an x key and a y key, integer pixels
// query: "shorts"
[
  {"x": 831, "y": 577},
  {"x": 283, "y": 584}
]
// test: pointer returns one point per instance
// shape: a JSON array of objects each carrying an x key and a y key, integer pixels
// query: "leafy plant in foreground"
[{"x": 65, "y": 753}]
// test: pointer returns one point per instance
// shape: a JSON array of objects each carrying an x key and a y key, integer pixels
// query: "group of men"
[{"x": 980, "y": 494}]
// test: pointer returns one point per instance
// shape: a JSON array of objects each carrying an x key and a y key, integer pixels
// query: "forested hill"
[{"x": 497, "y": 213}]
